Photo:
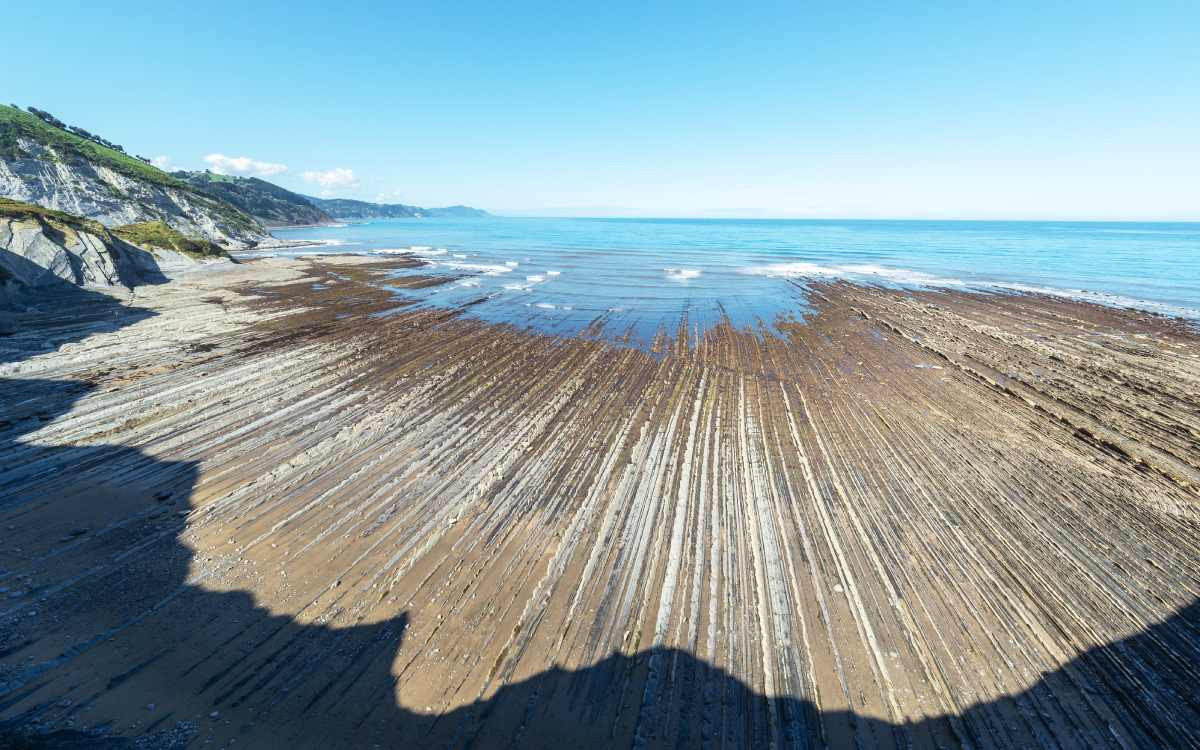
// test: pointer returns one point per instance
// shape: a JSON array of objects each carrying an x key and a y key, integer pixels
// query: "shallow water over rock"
[{"x": 639, "y": 277}]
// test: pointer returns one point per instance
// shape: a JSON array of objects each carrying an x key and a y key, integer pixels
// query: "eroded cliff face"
[
  {"x": 39, "y": 254},
  {"x": 43, "y": 176}
]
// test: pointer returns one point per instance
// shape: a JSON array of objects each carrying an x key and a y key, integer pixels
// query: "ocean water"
[{"x": 638, "y": 276}]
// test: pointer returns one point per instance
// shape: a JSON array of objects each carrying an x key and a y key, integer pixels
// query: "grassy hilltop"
[
  {"x": 70, "y": 147},
  {"x": 17, "y": 124},
  {"x": 263, "y": 200}
]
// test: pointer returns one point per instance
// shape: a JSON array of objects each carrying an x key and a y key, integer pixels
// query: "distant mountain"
[
  {"x": 462, "y": 212},
  {"x": 270, "y": 204},
  {"x": 345, "y": 208},
  {"x": 46, "y": 162}
]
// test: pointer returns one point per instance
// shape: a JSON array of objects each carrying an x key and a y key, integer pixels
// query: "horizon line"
[{"x": 699, "y": 217}]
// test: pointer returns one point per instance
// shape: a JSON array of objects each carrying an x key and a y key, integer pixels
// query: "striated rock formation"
[
  {"x": 279, "y": 506},
  {"x": 42, "y": 249},
  {"x": 57, "y": 169}
]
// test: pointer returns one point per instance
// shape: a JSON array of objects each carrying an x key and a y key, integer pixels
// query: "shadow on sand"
[{"x": 99, "y": 619}]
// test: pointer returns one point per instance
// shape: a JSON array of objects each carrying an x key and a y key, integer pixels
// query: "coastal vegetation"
[
  {"x": 46, "y": 117},
  {"x": 46, "y": 251},
  {"x": 72, "y": 147},
  {"x": 157, "y": 235},
  {"x": 263, "y": 200},
  {"x": 345, "y": 208},
  {"x": 148, "y": 235},
  {"x": 27, "y": 140},
  {"x": 117, "y": 187}
]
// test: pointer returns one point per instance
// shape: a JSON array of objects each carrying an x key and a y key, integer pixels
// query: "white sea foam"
[
  {"x": 460, "y": 255},
  {"x": 870, "y": 272},
  {"x": 469, "y": 282},
  {"x": 545, "y": 306},
  {"x": 517, "y": 287},
  {"x": 901, "y": 275},
  {"x": 487, "y": 269},
  {"x": 851, "y": 271},
  {"x": 1100, "y": 298},
  {"x": 553, "y": 273},
  {"x": 536, "y": 278},
  {"x": 511, "y": 263},
  {"x": 682, "y": 274}
]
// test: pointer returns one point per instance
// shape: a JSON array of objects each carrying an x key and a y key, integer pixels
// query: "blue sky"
[{"x": 934, "y": 110}]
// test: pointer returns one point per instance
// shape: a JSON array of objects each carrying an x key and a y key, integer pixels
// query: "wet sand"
[{"x": 275, "y": 506}]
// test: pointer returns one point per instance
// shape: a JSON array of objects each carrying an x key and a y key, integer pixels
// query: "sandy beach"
[{"x": 272, "y": 505}]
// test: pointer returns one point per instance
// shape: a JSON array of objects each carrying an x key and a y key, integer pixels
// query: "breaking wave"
[
  {"x": 681, "y": 274},
  {"x": 868, "y": 272},
  {"x": 1100, "y": 298},
  {"x": 853, "y": 271},
  {"x": 487, "y": 269}
]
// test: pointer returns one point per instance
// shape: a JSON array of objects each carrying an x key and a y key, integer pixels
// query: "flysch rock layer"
[
  {"x": 98, "y": 192},
  {"x": 37, "y": 256},
  {"x": 276, "y": 506}
]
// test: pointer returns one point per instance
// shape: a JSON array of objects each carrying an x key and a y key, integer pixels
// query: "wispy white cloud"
[
  {"x": 330, "y": 179},
  {"x": 222, "y": 164},
  {"x": 162, "y": 162}
]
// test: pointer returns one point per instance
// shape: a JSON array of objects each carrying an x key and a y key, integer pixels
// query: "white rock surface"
[{"x": 97, "y": 192}]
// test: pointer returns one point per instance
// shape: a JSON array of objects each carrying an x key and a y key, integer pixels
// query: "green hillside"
[
  {"x": 74, "y": 149},
  {"x": 16, "y": 122},
  {"x": 264, "y": 201},
  {"x": 153, "y": 235}
]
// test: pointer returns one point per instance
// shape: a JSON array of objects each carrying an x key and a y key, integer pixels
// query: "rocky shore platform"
[{"x": 273, "y": 505}]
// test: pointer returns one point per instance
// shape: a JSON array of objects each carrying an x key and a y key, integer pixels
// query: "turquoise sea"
[{"x": 561, "y": 275}]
